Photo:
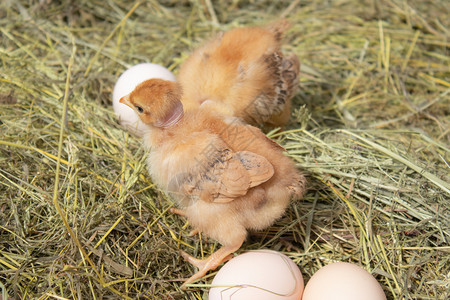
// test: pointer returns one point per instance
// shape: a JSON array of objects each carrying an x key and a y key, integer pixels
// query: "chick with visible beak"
[{"x": 165, "y": 111}]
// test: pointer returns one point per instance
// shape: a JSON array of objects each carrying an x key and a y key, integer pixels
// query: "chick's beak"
[{"x": 126, "y": 100}]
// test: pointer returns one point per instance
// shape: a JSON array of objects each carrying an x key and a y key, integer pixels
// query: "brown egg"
[
  {"x": 262, "y": 275},
  {"x": 343, "y": 281}
]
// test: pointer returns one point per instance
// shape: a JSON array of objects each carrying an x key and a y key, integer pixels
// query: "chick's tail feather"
[
  {"x": 298, "y": 188},
  {"x": 290, "y": 69}
]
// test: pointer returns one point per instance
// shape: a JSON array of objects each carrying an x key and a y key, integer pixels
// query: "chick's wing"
[{"x": 225, "y": 175}]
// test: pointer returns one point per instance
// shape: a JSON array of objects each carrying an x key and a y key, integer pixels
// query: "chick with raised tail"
[
  {"x": 226, "y": 176},
  {"x": 243, "y": 73}
]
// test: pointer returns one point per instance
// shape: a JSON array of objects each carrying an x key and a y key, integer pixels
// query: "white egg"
[
  {"x": 262, "y": 275},
  {"x": 343, "y": 281},
  {"x": 126, "y": 84}
]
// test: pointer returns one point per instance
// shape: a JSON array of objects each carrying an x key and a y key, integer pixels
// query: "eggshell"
[
  {"x": 343, "y": 281},
  {"x": 126, "y": 84},
  {"x": 262, "y": 275}
]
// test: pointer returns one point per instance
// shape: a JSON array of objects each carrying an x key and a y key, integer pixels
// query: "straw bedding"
[{"x": 80, "y": 217}]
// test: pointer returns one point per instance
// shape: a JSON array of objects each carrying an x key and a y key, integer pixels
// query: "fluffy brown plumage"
[
  {"x": 226, "y": 176},
  {"x": 243, "y": 73}
]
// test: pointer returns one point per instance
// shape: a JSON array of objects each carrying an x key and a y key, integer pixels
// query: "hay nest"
[{"x": 80, "y": 217}]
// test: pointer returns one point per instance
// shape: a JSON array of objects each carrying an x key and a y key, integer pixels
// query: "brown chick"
[
  {"x": 243, "y": 73},
  {"x": 226, "y": 176}
]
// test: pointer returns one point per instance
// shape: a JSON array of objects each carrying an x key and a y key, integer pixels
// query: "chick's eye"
[{"x": 139, "y": 109}]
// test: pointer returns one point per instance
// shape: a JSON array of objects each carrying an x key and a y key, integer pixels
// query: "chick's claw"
[
  {"x": 208, "y": 264},
  {"x": 201, "y": 263},
  {"x": 177, "y": 211},
  {"x": 194, "y": 232},
  {"x": 192, "y": 260}
]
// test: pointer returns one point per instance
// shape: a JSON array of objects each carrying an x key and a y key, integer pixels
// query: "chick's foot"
[
  {"x": 177, "y": 211},
  {"x": 210, "y": 263}
]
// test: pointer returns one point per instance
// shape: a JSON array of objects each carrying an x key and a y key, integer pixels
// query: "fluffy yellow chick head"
[{"x": 157, "y": 102}]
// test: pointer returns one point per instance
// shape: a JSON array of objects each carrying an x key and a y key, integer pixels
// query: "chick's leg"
[
  {"x": 210, "y": 263},
  {"x": 177, "y": 211}
]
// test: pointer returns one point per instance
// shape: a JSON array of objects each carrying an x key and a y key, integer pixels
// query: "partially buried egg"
[
  {"x": 126, "y": 84},
  {"x": 262, "y": 275},
  {"x": 343, "y": 281}
]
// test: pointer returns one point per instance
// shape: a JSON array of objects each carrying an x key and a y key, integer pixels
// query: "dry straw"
[{"x": 80, "y": 217}]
